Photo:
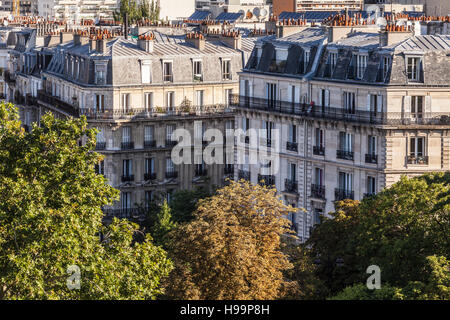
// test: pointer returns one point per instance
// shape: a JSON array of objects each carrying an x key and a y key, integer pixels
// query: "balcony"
[
  {"x": 228, "y": 169},
  {"x": 319, "y": 150},
  {"x": 128, "y": 178},
  {"x": 100, "y": 146},
  {"x": 127, "y": 145},
  {"x": 371, "y": 158},
  {"x": 200, "y": 172},
  {"x": 369, "y": 194},
  {"x": 337, "y": 113},
  {"x": 55, "y": 102},
  {"x": 344, "y": 154},
  {"x": 150, "y": 144},
  {"x": 266, "y": 180},
  {"x": 170, "y": 143},
  {"x": 149, "y": 176},
  {"x": 318, "y": 191},
  {"x": 171, "y": 174},
  {"x": 244, "y": 174},
  {"x": 290, "y": 186},
  {"x": 413, "y": 159},
  {"x": 292, "y": 146},
  {"x": 341, "y": 194}
]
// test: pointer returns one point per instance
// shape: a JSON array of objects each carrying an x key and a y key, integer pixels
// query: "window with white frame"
[
  {"x": 170, "y": 128},
  {"x": 346, "y": 141},
  {"x": 146, "y": 71},
  {"x": 306, "y": 58},
  {"x": 167, "y": 71},
  {"x": 170, "y": 100},
  {"x": 125, "y": 101},
  {"x": 100, "y": 72},
  {"x": 170, "y": 168},
  {"x": 417, "y": 107},
  {"x": 292, "y": 133},
  {"x": 361, "y": 65},
  {"x": 148, "y": 97},
  {"x": 125, "y": 200},
  {"x": 386, "y": 66},
  {"x": 99, "y": 103},
  {"x": 149, "y": 165},
  {"x": 100, "y": 167},
  {"x": 372, "y": 145},
  {"x": 333, "y": 60},
  {"x": 318, "y": 176},
  {"x": 149, "y": 133},
  {"x": 226, "y": 69},
  {"x": 127, "y": 167},
  {"x": 199, "y": 97},
  {"x": 228, "y": 96},
  {"x": 271, "y": 94},
  {"x": 318, "y": 138},
  {"x": 349, "y": 102},
  {"x": 292, "y": 171},
  {"x": 417, "y": 147},
  {"x": 346, "y": 181},
  {"x": 371, "y": 185},
  {"x": 126, "y": 134},
  {"x": 198, "y": 75},
  {"x": 414, "y": 68}
]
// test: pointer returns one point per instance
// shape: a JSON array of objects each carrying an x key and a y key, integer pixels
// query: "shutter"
[
  {"x": 380, "y": 103},
  {"x": 407, "y": 105},
  {"x": 427, "y": 106},
  {"x": 327, "y": 98},
  {"x": 368, "y": 102},
  {"x": 242, "y": 87}
]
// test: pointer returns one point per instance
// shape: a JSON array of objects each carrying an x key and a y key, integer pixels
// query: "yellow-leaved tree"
[{"x": 232, "y": 248}]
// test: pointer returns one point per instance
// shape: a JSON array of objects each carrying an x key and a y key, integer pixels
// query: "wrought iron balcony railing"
[
  {"x": 100, "y": 146},
  {"x": 266, "y": 180},
  {"x": 319, "y": 150},
  {"x": 318, "y": 191},
  {"x": 371, "y": 158},
  {"x": 292, "y": 146},
  {"x": 341, "y": 194},
  {"x": 127, "y": 178},
  {"x": 244, "y": 174},
  {"x": 344, "y": 154},
  {"x": 170, "y": 143},
  {"x": 149, "y": 143},
  {"x": 171, "y": 174},
  {"x": 149, "y": 176},
  {"x": 127, "y": 145},
  {"x": 290, "y": 186},
  {"x": 228, "y": 169}
]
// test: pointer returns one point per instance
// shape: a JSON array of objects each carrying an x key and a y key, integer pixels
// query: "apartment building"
[
  {"x": 315, "y": 5},
  {"x": 137, "y": 93},
  {"x": 73, "y": 11},
  {"x": 354, "y": 108}
]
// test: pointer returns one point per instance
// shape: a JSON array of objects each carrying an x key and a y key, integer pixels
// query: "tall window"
[
  {"x": 226, "y": 69},
  {"x": 148, "y": 101},
  {"x": 170, "y": 128},
  {"x": 170, "y": 100},
  {"x": 125, "y": 200},
  {"x": 386, "y": 65},
  {"x": 349, "y": 102},
  {"x": 292, "y": 172},
  {"x": 170, "y": 168},
  {"x": 167, "y": 71},
  {"x": 372, "y": 145},
  {"x": 417, "y": 107},
  {"x": 318, "y": 137},
  {"x": 100, "y": 103},
  {"x": 127, "y": 168},
  {"x": 346, "y": 181},
  {"x": 199, "y": 97},
  {"x": 371, "y": 185},
  {"x": 268, "y": 126},
  {"x": 148, "y": 198},
  {"x": 100, "y": 74},
  {"x": 228, "y": 96},
  {"x": 361, "y": 65},
  {"x": 126, "y": 134},
  {"x": 414, "y": 68},
  {"x": 417, "y": 147},
  {"x": 125, "y": 102},
  {"x": 333, "y": 60},
  {"x": 198, "y": 70},
  {"x": 346, "y": 141},
  {"x": 271, "y": 93},
  {"x": 318, "y": 176},
  {"x": 149, "y": 165},
  {"x": 100, "y": 167},
  {"x": 149, "y": 132},
  {"x": 292, "y": 133},
  {"x": 306, "y": 61}
]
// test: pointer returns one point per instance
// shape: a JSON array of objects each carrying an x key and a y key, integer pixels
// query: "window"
[
  {"x": 346, "y": 181},
  {"x": 228, "y": 96},
  {"x": 386, "y": 66},
  {"x": 170, "y": 128},
  {"x": 100, "y": 103},
  {"x": 145, "y": 71},
  {"x": 292, "y": 172},
  {"x": 149, "y": 132},
  {"x": 292, "y": 133},
  {"x": 127, "y": 168},
  {"x": 149, "y": 165},
  {"x": 417, "y": 107},
  {"x": 198, "y": 70},
  {"x": 371, "y": 185},
  {"x": 417, "y": 147},
  {"x": 324, "y": 97},
  {"x": 333, "y": 60},
  {"x": 125, "y": 102},
  {"x": 148, "y": 199},
  {"x": 318, "y": 176},
  {"x": 319, "y": 148},
  {"x": 170, "y": 168},
  {"x": 349, "y": 102},
  {"x": 271, "y": 93},
  {"x": 199, "y": 97},
  {"x": 345, "y": 141},
  {"x": 226, "y": 69},
  {"x": 318, "y": 215},
  {"x": 126, "y": 134},
  {"x": 267, "y": 127},
  {"x": 170, "y": 100},
  {"x": 100, "y": 167},
  {"x": 167, "y": 71},
  {"x": 414, "y": 68},
  {"x": 361, "y": 65},
  {"x": 100, "y": 73},
  {"x": 125, "y": 200},
  {"x": 306, "y": 61},
  {"x": 148, "y": 101},
  {"x": 372, "y": 145}
]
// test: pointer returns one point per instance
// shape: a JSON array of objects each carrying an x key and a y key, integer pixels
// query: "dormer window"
[
  {"x": 100, "y": 72},
  {"x": 197, "y": 65},
  {"x": 146, "y": 71},
  {"x": 414, "y": 68},
  {"x": 386, "y": 65},
  {"x": 226, "y": 69},
  {"x": 306, "y": 60},
  {"x": 167, "y": 71},
  {"x": 333, "y": 59},
  {"x": 361, "y": 65}
]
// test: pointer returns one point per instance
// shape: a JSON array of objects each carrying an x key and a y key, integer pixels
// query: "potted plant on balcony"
[{"x": 185, "y": 106}]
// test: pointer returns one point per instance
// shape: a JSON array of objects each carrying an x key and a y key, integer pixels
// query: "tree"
[
  {"x": 163, "y": 225},
  {"x": 184, "y": 203},
  {"x": 154, "y": 11},
  {"x": 232, "y": 248},
  {"x": 396, "y": 230},
  {"x": 51, "y": 219},
  {"x": 144, "y": 9}
]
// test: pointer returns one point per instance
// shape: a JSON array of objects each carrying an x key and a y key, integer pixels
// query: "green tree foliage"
[
  {"x": 397, "y": 230},
  {"x": 51, "y": 218},
  {"x": 360, "y": 292},
  {"x": 137, "y": 11},
  {"x": 163, "y": 225},
  {"x": 232, "y": 248},
  {"x": 184, "y": 203}
]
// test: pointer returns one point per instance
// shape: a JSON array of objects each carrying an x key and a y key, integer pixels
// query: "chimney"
[
  {"x": 79, "y": 39},
  {"x": 65, "y": 37},
  {"x": 145, "y": 42},
  {"x": 101, "y": 44},
  {"x": 394, "y": 34},
  {"x": 197, "y": 39},
  {"x": 92, "y": 44},
  {"x": 232, "y": 39},
  {"x": 287, "y": 27}
]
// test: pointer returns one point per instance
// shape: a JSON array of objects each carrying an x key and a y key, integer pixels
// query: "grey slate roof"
[{"x": 424, "y": 43}]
